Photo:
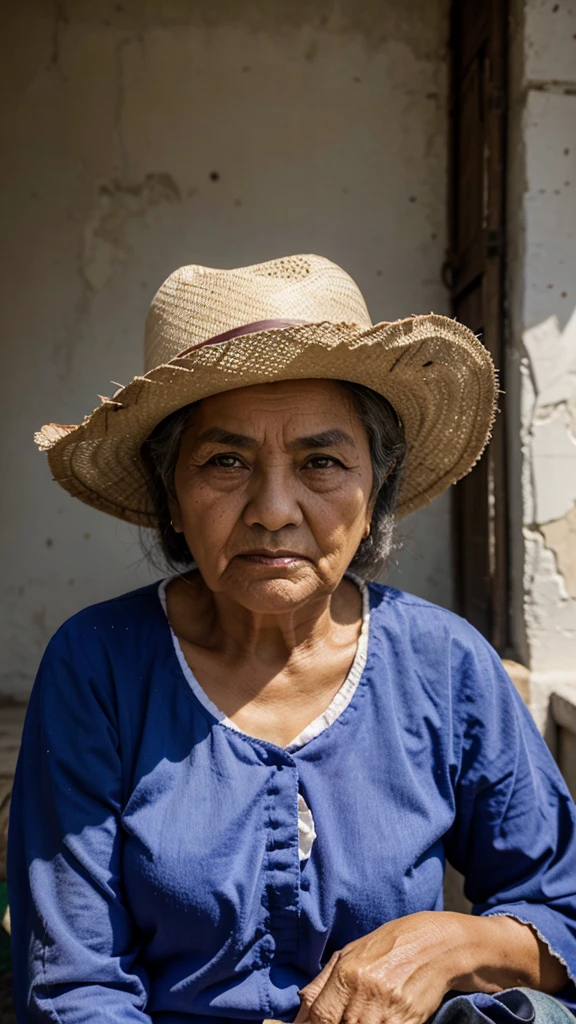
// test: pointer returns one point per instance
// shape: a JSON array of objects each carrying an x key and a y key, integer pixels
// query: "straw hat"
[{"x": 209, "y": 331}]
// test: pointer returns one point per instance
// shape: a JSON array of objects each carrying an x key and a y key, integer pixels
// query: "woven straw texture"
[{"x": 434, "y": 372}]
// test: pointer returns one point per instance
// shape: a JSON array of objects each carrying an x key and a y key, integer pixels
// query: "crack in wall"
[
  {"x": 119, "y": 49},
  {"x": 117, "y": 203},
  {"x": 60, "y": 21},
  {"x": 554, "y": 86},
  {"x": 560, "y": 538}
]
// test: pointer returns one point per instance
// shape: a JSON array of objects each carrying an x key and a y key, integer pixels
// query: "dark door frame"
[{"x": 475, "y": 276}]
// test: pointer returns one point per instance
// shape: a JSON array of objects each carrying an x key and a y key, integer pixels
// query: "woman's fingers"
[
  {"x": 358, "y": 993},
  {"x": 375, "y": 1004},
  {"x": 310, "y": 993},
  {"x": 329, "y": 1006}
]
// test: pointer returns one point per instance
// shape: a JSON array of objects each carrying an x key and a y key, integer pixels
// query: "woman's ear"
[
  {"x": 175, "y": 517},
  {"x": 369, "y": 514}
]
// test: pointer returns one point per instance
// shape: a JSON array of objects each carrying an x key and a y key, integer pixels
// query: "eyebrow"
[
  {"x": 325, "y": 439},
  {"x": 219, "y": 436}
]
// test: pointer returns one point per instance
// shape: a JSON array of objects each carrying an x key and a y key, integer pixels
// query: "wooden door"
[{"x": 475, "y": 277}]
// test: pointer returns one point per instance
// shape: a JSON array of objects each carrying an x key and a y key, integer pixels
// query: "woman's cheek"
[
  {"x": 343, "y": 509},
  {"x": 200, "y": 501},
  {"x": 208, "y": 521},
  {"x": 338, "y": 538}
]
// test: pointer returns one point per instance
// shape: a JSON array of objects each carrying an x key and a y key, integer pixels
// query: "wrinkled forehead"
[{"x": 289, "y": 408}]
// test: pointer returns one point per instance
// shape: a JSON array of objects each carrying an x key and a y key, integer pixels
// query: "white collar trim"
[{"x": 337, "y": 705}]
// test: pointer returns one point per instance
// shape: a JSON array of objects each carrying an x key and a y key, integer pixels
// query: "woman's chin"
[{"x": 273, "y": 591}]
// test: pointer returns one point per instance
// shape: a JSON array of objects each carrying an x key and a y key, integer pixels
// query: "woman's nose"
[{"x": 273, "y": 502}]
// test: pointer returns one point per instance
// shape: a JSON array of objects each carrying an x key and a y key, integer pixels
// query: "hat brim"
[{"x": 434, "y": 372}]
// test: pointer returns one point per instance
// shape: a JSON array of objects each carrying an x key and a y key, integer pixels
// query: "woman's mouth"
[{"x": 272, "y": 558}]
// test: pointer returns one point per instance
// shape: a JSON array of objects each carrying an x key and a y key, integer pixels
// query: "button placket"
[{"x": 282, "y": 902}]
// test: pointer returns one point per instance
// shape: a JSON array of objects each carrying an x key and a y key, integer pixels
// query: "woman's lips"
[{"x": 277, "y": 558}]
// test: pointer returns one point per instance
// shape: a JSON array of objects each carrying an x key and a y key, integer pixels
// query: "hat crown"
[{"x": 197, "y": 303}]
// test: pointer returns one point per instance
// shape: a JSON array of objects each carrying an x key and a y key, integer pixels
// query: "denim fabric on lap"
[{"x": 514, "y": 1006}]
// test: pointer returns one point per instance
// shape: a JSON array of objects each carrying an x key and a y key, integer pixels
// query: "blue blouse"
[{"x": 153, "y": 852}]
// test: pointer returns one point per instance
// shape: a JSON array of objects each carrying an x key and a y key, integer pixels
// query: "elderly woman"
[{"x": 237, "y": 790}]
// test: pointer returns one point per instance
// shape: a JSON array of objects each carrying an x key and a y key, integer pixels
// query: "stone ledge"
[
  {"x": 520, "y": 676},
  {"x": 563, "y": 707},
  {"x": 563, "y": 714}
]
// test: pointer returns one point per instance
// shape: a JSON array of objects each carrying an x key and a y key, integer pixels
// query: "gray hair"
[{"x": 387, "y": 452}]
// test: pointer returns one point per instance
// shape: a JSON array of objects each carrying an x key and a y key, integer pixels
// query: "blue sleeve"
[
  {"x": 74, "y": 945},
  {"x": 514, "y": 835}
]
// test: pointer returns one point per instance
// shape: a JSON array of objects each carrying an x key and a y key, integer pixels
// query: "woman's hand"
[{"x": 400, "y": 973}]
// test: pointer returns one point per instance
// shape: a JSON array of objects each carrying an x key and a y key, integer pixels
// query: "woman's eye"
[
  {"x": 322, "y": 462},
  {"x": 225, "y": 461}
]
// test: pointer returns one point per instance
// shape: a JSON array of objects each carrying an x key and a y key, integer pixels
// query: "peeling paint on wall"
[
  {"x": 553, "y": 464},
  {"x": 560, "y": 537},
  {"x": 553, "y": 360},
  {"x": 549, "y": 485},
  {"x": 105, "y": 235},
  {"x": 552, "y": 355}
]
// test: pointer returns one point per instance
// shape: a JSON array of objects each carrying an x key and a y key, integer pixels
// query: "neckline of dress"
[{"x": 337, "y": 705}]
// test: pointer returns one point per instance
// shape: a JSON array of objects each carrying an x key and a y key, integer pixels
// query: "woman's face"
[{"x": 273, "y": 486}]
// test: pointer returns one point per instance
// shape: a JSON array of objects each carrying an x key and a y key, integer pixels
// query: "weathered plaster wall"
[
  {"x": 138, "y": 137},
  {"x": 543, "y": 320}
]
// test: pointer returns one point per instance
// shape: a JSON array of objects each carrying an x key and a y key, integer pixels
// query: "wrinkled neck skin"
[{"x": 216, "y": 622}]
